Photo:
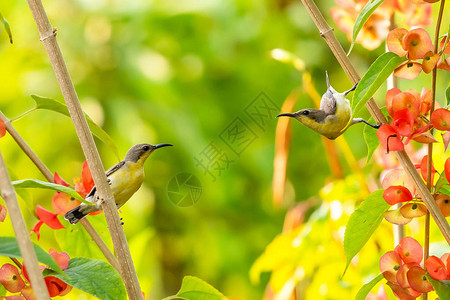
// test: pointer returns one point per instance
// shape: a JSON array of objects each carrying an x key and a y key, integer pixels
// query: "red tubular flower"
[
  {"x": 56, "y": 287},
  {"x": 3, "y": 212},
  {"x": 62, "y": 259},
  {"x": 447, "y": 169},
  {"x": 413, "y": 210},
  {"x": 443, "y": 201},
  {"x": 389, "y": 138},
  {"x": 390, "y": 94},
  {"x": 418, "y": 281},
  {"x": 410, "y": 251},
  {"x": 409, "y": 70},
  {"x": 440, "y": 118},
  {"x": 2, "y": 128},
  {"x": 430, "y": 61},
  {"x": 436, "y": 268},
  {"x": 417, "y": 42},
  {"x": 394, "y": 41},
  {"x": 444, "y": 64},
  {"x": 403, "y": 122},
  {"x": 59, "y": 180},
  {"x": 10, "y": 278},
  {"x": 402, "y": 279},
  {"x": 397, "y": 194},
  {"x": 424, "y": 169},
  {"x": 406, "y": 100},
  {"x": 390, "y": 263},
  {"x": 62, "y": 203},
  {"x": 48, "y": 218}
]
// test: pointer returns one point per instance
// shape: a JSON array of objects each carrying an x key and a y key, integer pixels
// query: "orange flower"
[{"x": 10, "y": 278}]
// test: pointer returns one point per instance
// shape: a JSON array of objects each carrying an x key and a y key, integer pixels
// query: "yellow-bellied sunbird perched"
[
  {"x": 333, "y": 116},
  {"x": 124, "y": 178}
]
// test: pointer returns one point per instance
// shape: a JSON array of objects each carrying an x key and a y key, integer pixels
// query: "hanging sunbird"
[
  {"x": 124, "y": 178},
  {"x": 332, "y": 119}
]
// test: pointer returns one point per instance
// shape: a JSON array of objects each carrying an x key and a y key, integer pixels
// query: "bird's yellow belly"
[
  {"x": 124, "y": 183},
  {"x": 337, "y": 123}
]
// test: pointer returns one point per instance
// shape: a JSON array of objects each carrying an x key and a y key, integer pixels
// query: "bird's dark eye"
[
  {"x": 146, "y": 148},
  {"x": 305, "y": 113}
]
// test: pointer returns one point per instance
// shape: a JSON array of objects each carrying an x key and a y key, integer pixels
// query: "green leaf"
[
  {"x": 442, "y": 288},
  {"x": 95, "y": 277},
  {"x": 362, "y": 224},
  {"x": 447, "y": 95},
  {"x": 366, "y": 288},
  {"x": 34, "y": 183},
  {"x": 50, "y": 104},
  {"x": 362, "y": 18},
  {"x": 371, "y": 139},
  {"x": 78, "y": 243},
  {"x": 9, "y": 247},
  {"x": 2, "y": 290},
  {"x": 378, "y": 72},
  {"x": 442, "y": 181},
  {"x": 194, "y": 288},
  {"x": 7, "y": 28}
]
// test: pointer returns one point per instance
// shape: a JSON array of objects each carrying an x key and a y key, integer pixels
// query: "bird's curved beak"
[
  {"x": 160, "y": 146},
  {"x": 292, "y": 115}
]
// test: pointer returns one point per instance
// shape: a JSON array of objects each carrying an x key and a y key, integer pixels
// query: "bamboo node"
[
  {"x": 324, "y": 33},
  {"x": 52, "y": 34}
]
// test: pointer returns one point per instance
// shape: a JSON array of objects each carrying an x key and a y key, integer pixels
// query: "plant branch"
[
  {"x": 426, "y": 249},
  {"x": 49, "y": 176},
  {"x": 26, "y": 148},
  {"x": 392, "y": 82},
  {"x": 22, "y": 236},
  {"x": 48, "y": 38},
  {"x": 327, "y": 33}
]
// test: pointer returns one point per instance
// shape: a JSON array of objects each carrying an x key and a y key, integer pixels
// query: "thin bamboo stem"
[
  {"x": 392, "y": 82},
  {"x": 48, "y": 38},
  {"x": 49, "y": 176},
  {"x": 327, "y": 33},
  {"x": 22, "y": 236},
  {"x": 426, "y": 246}
]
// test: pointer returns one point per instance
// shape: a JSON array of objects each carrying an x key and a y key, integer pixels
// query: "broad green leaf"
[
  {"x": 362, "y": 18},
  {"x": 371, "y": 139},
  {"x": 378, "y": 72},
  {"x": 441, "y": 183},
  {"x": 366, "y": 288},
  {"x": 2, "y": 290},
  {"x": 50, "y": 104},
  {"x": 9, "y": 247},
  {"x": 447, "y": 95},
  {"x": 442, "y": 288},
  {"x": 95, "y": 277},
  {"x": 78, "y": 243},
  {"x": 362, "y": 224},
  {"x": 34, "y": 183},
  {"x": 7, "y": 28},
  {"x": 194, "y": 288}
]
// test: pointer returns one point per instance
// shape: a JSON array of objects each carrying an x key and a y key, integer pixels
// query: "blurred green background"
[{"x": 179, "y": 72}]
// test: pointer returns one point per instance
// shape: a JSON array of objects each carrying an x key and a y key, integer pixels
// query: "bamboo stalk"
[
  {"x": 327, "y": 33},
  {"x": 48, "y": 37},
  {"x": 22, "y": 236},
  {"x": 49, "y": 176},
  {"x": 392, "y": 82}
]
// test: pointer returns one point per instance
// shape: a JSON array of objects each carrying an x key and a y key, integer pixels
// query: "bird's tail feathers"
[{"x": 79, "y": 212}]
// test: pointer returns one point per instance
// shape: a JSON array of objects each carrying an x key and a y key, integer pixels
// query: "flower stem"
[{"x": 426, "y": 249}]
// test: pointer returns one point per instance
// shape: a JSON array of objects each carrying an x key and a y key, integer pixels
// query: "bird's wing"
[
  {"x": 115, "y": 168},
  {"x": 328, "y": 103},
  {"x": 89, "y": 197}
]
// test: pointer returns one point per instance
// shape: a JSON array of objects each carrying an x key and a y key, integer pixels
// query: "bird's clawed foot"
[{"x": 352, "y": 89}]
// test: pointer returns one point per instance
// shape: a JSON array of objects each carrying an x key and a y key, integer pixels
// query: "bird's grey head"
[
  {"x": 307, "y": 116},
  {"x": 142, "y": 151}
]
